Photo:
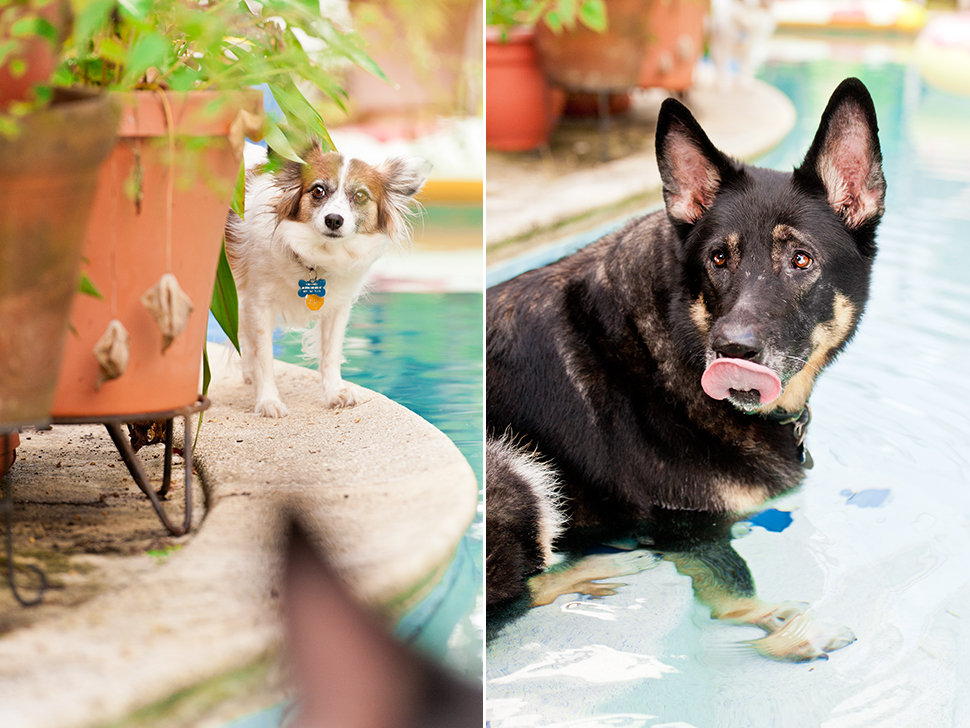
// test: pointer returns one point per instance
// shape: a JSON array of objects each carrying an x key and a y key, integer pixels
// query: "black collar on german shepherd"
[{"x": 662, "y": 374}]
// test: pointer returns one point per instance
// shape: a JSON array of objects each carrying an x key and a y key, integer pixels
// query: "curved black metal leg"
[
  {"x": 167, "y": 477},
  {"x": 7, "y": 507},
  {"x": 114, "y": 424},
  {"x": 134, "y": 466}
]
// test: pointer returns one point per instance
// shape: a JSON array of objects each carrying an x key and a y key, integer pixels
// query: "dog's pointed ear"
[
  {"x": 845, "y": 158},
  {"x": 403, "y": 179},
  {"x": 693, "y": 170},
  {"x": 405, "y": 176}
]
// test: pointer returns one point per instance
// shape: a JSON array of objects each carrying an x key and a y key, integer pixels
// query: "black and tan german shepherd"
[{"x": 655, "y": 384}]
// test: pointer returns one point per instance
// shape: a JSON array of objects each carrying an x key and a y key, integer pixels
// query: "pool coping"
[
  {"x": 367, "y": 481},
  {"x": 525, "y": 207}
]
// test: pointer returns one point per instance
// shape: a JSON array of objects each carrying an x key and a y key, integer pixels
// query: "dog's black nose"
[
  {"x": 333, "y": 221},
  {"x": 738, "y": 342}
]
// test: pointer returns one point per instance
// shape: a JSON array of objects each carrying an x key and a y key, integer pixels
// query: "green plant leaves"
[
  {"x": 225, "y": 310},
  {"x": 592, "y": 14},
  {"x": 150, "y": 50},
  {"x": 225, "y": 301},
  {"x": 559, "y": 15},
  {"x": 85, "y": 286},
  {"x": 298, "y": 111},
  {"x": 29, "y": 27},
  {"x": 90, "y": 18},
  {"x": 238, "y": 203},
  {"x": 137, "y": 9},
  {"x": 219, "y": 45},
  {"x": 277, "y": 140}
]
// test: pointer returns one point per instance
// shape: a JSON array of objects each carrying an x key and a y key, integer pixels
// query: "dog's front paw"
[
  {"x": 271, "y": 408},
  {"x": 337, "y": 397},
  {"x": 799, "y": 638}
]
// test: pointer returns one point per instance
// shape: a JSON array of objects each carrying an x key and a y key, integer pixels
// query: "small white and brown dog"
[{"x": 309, "y": 235}]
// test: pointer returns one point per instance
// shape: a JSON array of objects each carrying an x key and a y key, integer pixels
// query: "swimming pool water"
[{"x": 877, "y": 539}]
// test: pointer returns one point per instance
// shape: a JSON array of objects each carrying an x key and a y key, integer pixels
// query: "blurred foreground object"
[{"x": 349, "y": 670}]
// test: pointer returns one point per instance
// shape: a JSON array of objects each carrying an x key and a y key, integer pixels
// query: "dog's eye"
[
  {"x": 361, "y": 197},
  {"x": 802, "y": 260},
  {"x": 318, "y": 192},
  {"x": 719, "y": 258}
]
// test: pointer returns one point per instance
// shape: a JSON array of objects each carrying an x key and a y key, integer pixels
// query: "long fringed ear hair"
[{"x": 403, "y": 179}]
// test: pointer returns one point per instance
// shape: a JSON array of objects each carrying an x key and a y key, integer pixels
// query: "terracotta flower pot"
[
  {"x": 584, "y": 60},
  {"x": 520, "y": 108},
  {"x": 47, "y": 179},
  {"x": 677, "y": 40},
  {"x": 161, "y": 204}
]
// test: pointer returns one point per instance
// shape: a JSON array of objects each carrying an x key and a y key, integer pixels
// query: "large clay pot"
[
  {"x": 520, "y": 108},
  {"x": 161, "y": 204},
  {"x": 584, "y": 60},
  {"x": 677, "y": 40},
  {"x": 47, "y": 180}
]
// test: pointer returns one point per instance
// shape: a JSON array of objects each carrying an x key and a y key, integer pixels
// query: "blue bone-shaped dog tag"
[
  {"x": 312, "y": 293},
  {"x": 316, "y": 287}
]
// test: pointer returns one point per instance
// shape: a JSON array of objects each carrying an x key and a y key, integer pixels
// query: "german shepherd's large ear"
[
  {"x": 693, "y": 170},
  {"x": 845, "y": 157}
]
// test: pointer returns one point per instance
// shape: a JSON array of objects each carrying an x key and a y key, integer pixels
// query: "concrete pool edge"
[
  {"x": 368, "y": 481},
  {"x": 523, "y": 206}
]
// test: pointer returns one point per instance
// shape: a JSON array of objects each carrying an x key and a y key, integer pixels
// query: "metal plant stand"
[
  {"x": 115, "y": 426},
  {"x": 7, "y": 508}
]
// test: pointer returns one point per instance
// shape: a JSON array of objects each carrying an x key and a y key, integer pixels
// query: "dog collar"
[
  {"x": 312, "y": 291},
  {"x": 800, "y": 420}
]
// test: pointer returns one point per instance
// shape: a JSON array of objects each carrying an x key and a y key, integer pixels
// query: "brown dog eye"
[
  {"x": 719, "y": 258},
  {"x": 318, "y": 192},
  {"x": 802, "y": 260},
  {"x": 361, "y": 197}
]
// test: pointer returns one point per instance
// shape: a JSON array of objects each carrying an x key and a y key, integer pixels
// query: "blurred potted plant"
[
  {"x": 182, "y": 72},
  {"x": 676, "y": 42},
  {"x": 51, "y": 146},
  {"x": 31, "y": 32},
  {"x": 597, "y": 59},
  {"x": 520, "y": 107},
  {"x": 431, "y": 51}
]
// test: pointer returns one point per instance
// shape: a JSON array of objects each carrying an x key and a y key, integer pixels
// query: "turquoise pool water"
[{"x": 878, "y": 538}]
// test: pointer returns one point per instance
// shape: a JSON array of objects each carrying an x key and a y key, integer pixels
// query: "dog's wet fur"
[{"x": 594, "y": 362}]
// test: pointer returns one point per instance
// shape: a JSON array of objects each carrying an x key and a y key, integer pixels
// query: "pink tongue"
[{"x": 742, "y": 375}]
